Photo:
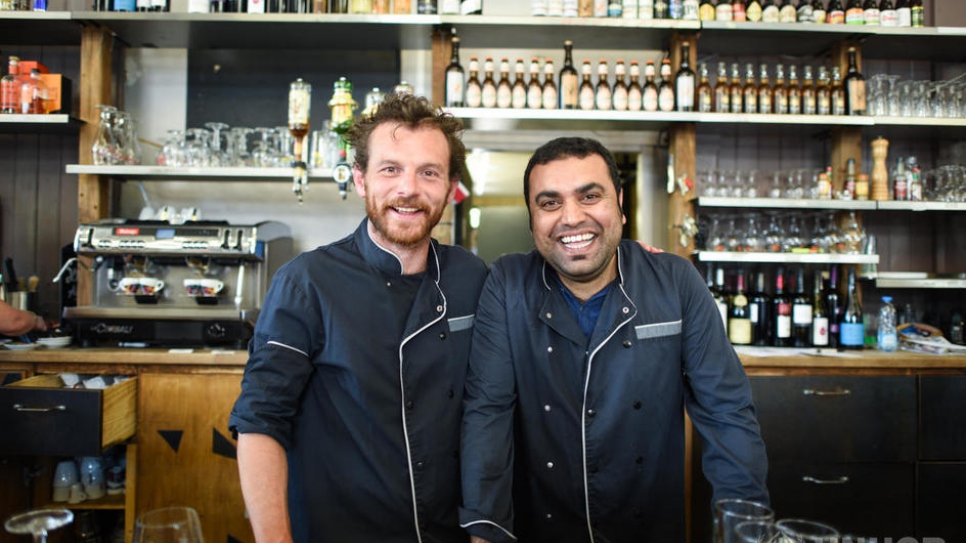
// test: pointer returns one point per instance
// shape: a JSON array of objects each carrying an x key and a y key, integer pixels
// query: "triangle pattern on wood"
[
  {"x": 221, "y": 445},
  {"x": 172, "y": 437}
]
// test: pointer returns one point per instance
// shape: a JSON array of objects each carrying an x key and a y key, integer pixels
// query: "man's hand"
[
  {"x": 474, "y": 539},
  {"x": 648, "y": 248}
]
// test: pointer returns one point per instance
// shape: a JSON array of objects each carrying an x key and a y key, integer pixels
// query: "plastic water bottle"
[{"x": 888, "y": 339}]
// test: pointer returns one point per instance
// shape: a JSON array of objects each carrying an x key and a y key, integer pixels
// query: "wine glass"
[
  {"x": 178, "y": 524},
  {"x": 38, "y": 522}
]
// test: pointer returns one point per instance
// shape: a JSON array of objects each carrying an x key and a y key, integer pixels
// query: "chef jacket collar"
[{"x": 385, "y": 260}]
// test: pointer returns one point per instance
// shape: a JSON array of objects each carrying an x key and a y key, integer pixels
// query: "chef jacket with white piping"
[
  {"x": 362, "y": 384},
  {"x": 588, "y": 436}
]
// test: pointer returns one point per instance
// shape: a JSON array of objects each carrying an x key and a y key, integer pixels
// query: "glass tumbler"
[{"x": 728, "y": 513}]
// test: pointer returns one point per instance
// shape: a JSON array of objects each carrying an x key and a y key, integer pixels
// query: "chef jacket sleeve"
[{"x": 487, "y": 433}]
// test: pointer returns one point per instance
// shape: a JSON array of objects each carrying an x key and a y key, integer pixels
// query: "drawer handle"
[
  {"x": 816, "y": 481},
  {"x": 18, "y": 407},
  {"x": 837, "y": 391}
]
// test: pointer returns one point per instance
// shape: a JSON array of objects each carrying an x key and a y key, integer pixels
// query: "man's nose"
[
  {"x": 406, "y": 182},
  {"x": 572, "y": 213}
]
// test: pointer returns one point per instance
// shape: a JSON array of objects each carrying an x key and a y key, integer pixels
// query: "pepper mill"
[{"x": 880, "y": 175}]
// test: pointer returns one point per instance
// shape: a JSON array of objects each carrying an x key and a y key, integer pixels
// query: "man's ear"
[{"x": 358, "y": 179}]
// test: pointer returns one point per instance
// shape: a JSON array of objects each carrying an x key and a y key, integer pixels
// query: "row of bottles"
[
  {"x": 790, "y": 314},
  {"x": 23, "y": 5},
  {"x": 860, "y": 12},
  {"x": 829, "y": 94},
  {"x": 377, "y": 7},
  {"x": 23, "y": 91}
]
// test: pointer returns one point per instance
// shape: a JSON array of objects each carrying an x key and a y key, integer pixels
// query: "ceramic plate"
[{"x": 21, "y": 346}]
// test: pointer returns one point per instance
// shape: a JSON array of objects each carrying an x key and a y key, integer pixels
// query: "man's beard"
[{"x": 410, "y": 234}]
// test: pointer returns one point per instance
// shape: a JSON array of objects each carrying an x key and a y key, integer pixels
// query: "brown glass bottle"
[
  {"x": 585, "y": 94},
  {"x": 454, "y": 77},
  {"x": 823, "y": 93},
  {"x": 551, "y": 100},
  {"x": 665, "y": 91},
  {"x": 736, "y": 90},
  {"x": 808, "y": 91},
  {"x": 650, "y": 88},
  {"x": 794, "y": 92},
  {"x": 603, "y": 97},
  {"x": 635, "y": 94},
  {"x": 704, "y": 93},
  {"x": 519, "y": 91},
  {"x": 764, "y": 90},
  {"x": 534, "y": 88},
  {"x": 504, "y": 90},
  {"x": 750, "y": 92},
  {"x": 489, "y": 85},
  {"x": 780, "y": 92},
  {"x": 568, "y": 79},
  {"x": 474, "y": 88},
  {"x": 854, "y": 85},
  {"x": 722, "y": 92},
  {"x": 620, "y": 86},
  {"x": 684, "y": 84},
  {"x": 837, "y": 92}
]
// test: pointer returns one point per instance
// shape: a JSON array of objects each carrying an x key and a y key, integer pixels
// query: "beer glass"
[{"x": 728, "y": 513}]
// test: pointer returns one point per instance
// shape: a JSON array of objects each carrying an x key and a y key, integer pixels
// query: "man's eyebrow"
[{"x": 583, "y": 189}]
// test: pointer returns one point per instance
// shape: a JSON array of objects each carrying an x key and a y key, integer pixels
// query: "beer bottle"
[
  {"x": 823, "y": 93},
  {"x": 620, "y": 87},
  {"x": 504, "y": 91},
  {"x": 750, "y": 91},
  {"x": 837, "y": 92},
  {"x": 819, "y": 13},
  {"x": 835, "y": 15},
  {"x": 665, "y": 92},
  {"x": 706, "y": 10},
  {"x": 635, "y": 94},
  {"x": 871, "y": 13},
  {"x": 519, "y": 92},
  {"x": 603, "y": 98},
  {"x": 489, "y": 85},
  {"x": 650, "y": 95},
  {"x": 585, "y": 96},
  {"x": 722, "y": 93},
  {"x": 704, "y": 93},
  {"x": 534, "y": 88},
  {"x": 854, "y": 14},
  {"x": 736, "y": 90},
  {"x": 568, "y": 79},
  {"x": 887, "y": 13},
  {"x": 794, "y": 92},
  {"x": 474, "y": 89},
  {"x": 753, "y": 11},
  {"x": 769, "y": 12},
  {"x": 808, "y": 92},
  {"x": 787, "y": 12},
  {"x": 550, "y": 97},
  {"x": 780, "y": 92},
  {"x": 764, "y": 90}
]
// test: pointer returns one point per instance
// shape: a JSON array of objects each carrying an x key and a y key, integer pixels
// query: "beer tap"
[
  {"x": 342, "y": 106},
  {"x": 299, "y": 105}
]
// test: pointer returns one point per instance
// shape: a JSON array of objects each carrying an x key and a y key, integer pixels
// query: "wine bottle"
[
  {"x": 684, "y": 81},
  {"x": 760, "y": 320},
  {"x": 454, "y": 77},
  {"x": 568, "y": 79},
  {"x": 739, "y": 315},
  {"x": 854, "y": 86},
  {"x": 718, "y": 293},
  {"x": 852, "y": 327},
  {"x": 781, "y": 312},
  {"x": 801, "y": 313},
  {"x": 820, "y": 320},
  {"x": 833, "y": 305}
]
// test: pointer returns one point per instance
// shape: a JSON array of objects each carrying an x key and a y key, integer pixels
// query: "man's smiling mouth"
[{"x": 579, "y": 241}]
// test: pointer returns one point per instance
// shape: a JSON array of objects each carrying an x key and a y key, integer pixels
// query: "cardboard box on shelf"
[
  {"x": 58, "y": 93},
  {"x": 27, "y": 65}
]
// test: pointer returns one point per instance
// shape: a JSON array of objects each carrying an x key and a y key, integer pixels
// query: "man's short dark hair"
[
  {"x": 412, "y": 112},
  {"x": 570, "y": 147}
]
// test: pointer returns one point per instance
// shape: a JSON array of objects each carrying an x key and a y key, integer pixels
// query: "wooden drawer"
[
  {"x": 837, "y": 419},
  {"x": 39, "y": 416},
  {"x": 942, "y": 417},
  {"x": 865, "y": 500}
]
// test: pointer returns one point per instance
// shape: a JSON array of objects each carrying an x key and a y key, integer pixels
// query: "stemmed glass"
[
  {"x": 263, "y": 156},
  {"x": 168, "y": 525},
  {"x": 38, "y": 522},
  {"x": 218, "y": 157},
  {"x": 238, "y": 154}
]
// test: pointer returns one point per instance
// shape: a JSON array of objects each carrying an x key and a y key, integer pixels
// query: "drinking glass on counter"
[
  {"x": 807, "y": 531},
  {"x": 757, "y": 531},
  {"x": 177, "y": 524},
  {"x": 730, "y": 512}
]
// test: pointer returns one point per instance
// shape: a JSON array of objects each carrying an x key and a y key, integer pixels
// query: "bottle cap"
[{"x": 887, "y": 299}]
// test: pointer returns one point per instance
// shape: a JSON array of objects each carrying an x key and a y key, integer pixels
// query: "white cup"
[
  {"x": 65, "y": 474},
  {"x": 76, "y": 493},
  {"x": 92, "y": 477}
]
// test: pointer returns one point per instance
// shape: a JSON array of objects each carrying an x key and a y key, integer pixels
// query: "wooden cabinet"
[{"x": 941, "y": 471}]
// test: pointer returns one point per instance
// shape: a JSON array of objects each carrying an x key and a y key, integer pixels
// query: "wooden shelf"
[
  {"x": 171, "y": 173},
  {"x": 108, "y": 502},
  {"x": 39, "y": 28},
  {"x": 785, "y": 203},
  {"x": 786, "y": 258}
]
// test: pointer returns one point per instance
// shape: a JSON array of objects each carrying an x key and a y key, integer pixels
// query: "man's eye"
[
  {"x": 591, "y": 197},
  {"x": 431, "y": 173},
  {"x": 389, "y": 169},
  {"x": 549, "y": 204}
]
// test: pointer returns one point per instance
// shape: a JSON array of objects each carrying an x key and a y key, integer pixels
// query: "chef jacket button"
[
  {"x": 409, "y": 404},
  {"x": 549, "y": 465},
  {"x": 549, "y": 516},
  {"x": 550, "y": 349},
  {"x": 627, "y": 344},
  {"x": 639, "y": 459},
  {"x": 549, "y": 315},
  {"x": 546, "y": 408},
  {"x": 389, "y": 284},
  {"x": 592, "y": 469},
  {"x": 625, "y": 310},
  {"x": 637, "y": 404},
  {"x": 442, "y": 335},
  {"x": 591, "y": 413},
  {"x": 420, "y": 465},
  {"x": 439, "y": 309}
]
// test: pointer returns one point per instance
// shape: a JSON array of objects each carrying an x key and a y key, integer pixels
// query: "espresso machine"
[{"x": 192, "y": 284}]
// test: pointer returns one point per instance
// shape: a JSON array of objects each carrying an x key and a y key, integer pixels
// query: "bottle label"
[
  {"x": 753, "y": 13},
  {"x": 739, "y": 331},
  {"x": 764, "y": 102},
  {"x": 635, "y": 100},
  {"x": 489, "y": 96},
  {"x": 568, "y": 90},
  {"x": 819, "y": 16},
  {"x": 905, "y": 16},
  {"x": 298, "y": 107},
  {"x": 604, "y": 98},
  {"x": 854, "y": 16},
  {"x": 900, "y": 187},
  {"x": 723, "y": 12},
  {"x": 872, "y": 16},
  {"x": 504, "y": 96},
  {"x": 534, "y": 97},
  {"x": 650, "y": 99},
  {"x": 685, "y": 91},
  {"x": 783, "y": 325},
  {"x": 917, "y": 16},
  {"x": 468, "y": 7},
  {"x": 781, "y": 105},
  {"x": 474, "y": 96},
  {"x": 538, "y": 8},
  {"x": 519, "y": 99},
  {"x": 788, "y": 14},
  {"x": 738, "y": 12},
  {"x": 769, "y": 14},
  {"x": 586, "y": 98},
  {"x": 820, "y": 331},
  {"x": 629, "y": 9},
  {"x": 852, "y": 334},
  {"x": 550, "y": 98},
  {"x": 754, "y": 314},
  {"x": 665, "y": 99},
  {"x": 454, "y": 88},
  {"x": 706, "y": 12},
  {"x": 888, "y": 18},
  {"x": 836, "y": 17},
  {"x": 802, "y": 314},
  {"x": 555, "y": 8}
]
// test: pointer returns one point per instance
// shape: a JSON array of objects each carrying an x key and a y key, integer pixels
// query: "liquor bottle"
[
  {"x": 299, "y": 108},
  {"x": 739, "y": 11},
  {"x": 534, "y": 88},
  {"x": 833, "y": 306},
  {"x": 585, "y": 95},
  {"x": 854, "y": 14},
  {"x": 760, "y": 319},
  {"x": 820, "y": 316},
  {"x": 739, "y": 315},
  {"x": 10, "y": 87},
  {"x": 705, "y": 96},
  {"x": 635, "y": 94},
  {"x": 602, "y": 95},
  {"x": 837, "y": 92},
  {"x": 675, "y": 9},
  {"x": 723, "y": 11},
  {"x": 690, "y": 8},
  {"x": 917, "y": 13},
  {"x": 650, "y": 93},
  {"x": 629, "y": 9},
  {"x": 489, "y": 85},
  {"x": 645, "y": 10},
  {"x": 781, "y": 311},
  {"x": 684, "y": 81},
  {"x": 835, "y": 15},
  {"x": 854, "y": 86},
  {"x": 620, "y": 86},
  {"x": 915, "y": 180},
  {"x": 722, "y": 93},
  {"x": 870, "y": 12},
  {"x": 568, "y": 79},
  {"x": 823, "y": 93},
  {"x": 474, "y": 89},
  {"x": 787, "y": 12},
  {"x": 780, "y": 92},
  {"x": 794, "y": 92},
  {"x": 808, "y": 92},
  {"x": 504, "y": 91},
  {"x": 718, "y": 293},
  {"x": 764, "y": 90},
  {"x": 819, "y": 14},
  {"x": 887, "y": 13},
  {"x": 900, "y": 181},
  {"x": 753, "y": 11},
  {"x": 852, "y": 328},
  {"x": 661, "y": 9},
  {"x": 736, "y": 90},
  {"x": 750, "y": 91},
  {"x": 454, "y": 77},
  {"x": 550, "y": 97},
  {"x": 665, "y": 92},
  {"x": 801, "y": 313},
  {"x": 769, "y": 12},
  {"x": 471, "y": 7},
  {"x": 426, "y": 7},
  {"x": 518, "y": 94},
  {"x": 706, "y": 10},
  {"x": 903, "y": 13},
  {"x": 34, "y": 94},
  {"x": 446, "y": 7},
  {"x": 805, "y": 14}
]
